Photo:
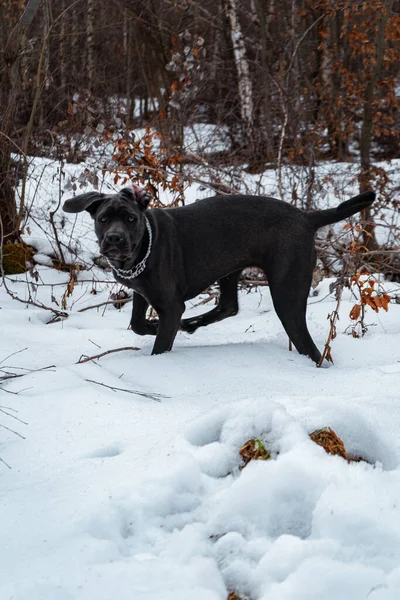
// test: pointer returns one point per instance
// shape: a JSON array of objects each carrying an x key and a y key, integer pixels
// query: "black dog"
[{"x": 168, "y": 256}]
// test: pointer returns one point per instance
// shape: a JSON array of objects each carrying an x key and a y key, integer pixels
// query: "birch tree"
[{"x": 245, "y": 88}]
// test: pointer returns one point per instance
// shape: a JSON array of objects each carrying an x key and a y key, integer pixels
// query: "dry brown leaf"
[
  {"x": 355, "y": 312},
  {"x": 331, "y": 443}
]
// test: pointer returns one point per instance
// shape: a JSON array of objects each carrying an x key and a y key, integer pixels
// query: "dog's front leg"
[
  {"x": 139, "y": 323},
  {"x": 169, "y": 319}
]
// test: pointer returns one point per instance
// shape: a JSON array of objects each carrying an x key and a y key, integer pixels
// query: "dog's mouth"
[{"x": 115, "y": 254}]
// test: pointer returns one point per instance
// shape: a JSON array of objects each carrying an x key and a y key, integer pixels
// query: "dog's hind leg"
[
  {"x": 289, "y": 291},
  {"x": 227, "y": 306},
  {"x": 139, "y": 323}
]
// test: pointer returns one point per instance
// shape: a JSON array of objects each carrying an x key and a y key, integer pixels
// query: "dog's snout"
[{"x": 115, "y": 238}]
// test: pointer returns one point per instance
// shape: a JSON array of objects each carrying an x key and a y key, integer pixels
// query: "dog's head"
[{"x": 119, "y": 220}]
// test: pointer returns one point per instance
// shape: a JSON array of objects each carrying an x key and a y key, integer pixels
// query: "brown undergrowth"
[{"x": 254, "y": 449}]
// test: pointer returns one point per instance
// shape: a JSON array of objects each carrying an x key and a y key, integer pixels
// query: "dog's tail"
[{"x": 319, "y": 218}]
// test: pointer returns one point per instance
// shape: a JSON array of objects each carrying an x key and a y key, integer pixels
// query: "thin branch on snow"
[
  {"x": 60, "y": 314},
  {"x": 12, "y": 354},
  {"x": 17, "y": 375},
  {"x": 9, "y": 391},
  {"x": 156, "y": 397},
  {"x": 12, "y": 416},
  {"x": 12, "y": 431},
  {"x": 122, "y": 301},
  {"x": 84, "y": 358},
  {"x": 8, "y": 376},
  {"x": 62, "y": 283},
  {"x": 94, "y": 343}
]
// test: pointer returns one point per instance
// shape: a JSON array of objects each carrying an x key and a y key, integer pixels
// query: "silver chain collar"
[{"x": 140, "y": 267}]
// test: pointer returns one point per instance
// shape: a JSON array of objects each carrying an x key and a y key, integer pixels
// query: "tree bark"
[
  {"x": 62, "y": 49},
  {"x": 10, "y": 98},
  {"x": 265, "y": 77},
  {"x": 89, "y": 42},
  {"x": 370, "y": 241},
  {"x": 367, "y": 123}
]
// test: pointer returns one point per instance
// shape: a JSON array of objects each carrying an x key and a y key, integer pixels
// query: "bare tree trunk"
[
  {"x": 89, "y": 42},
  {"x": 10, "y": 97},
  {"x": 47, "y": 78},
  {"x": 217, "y": 46},
  {"x": 370, "y": 241},
  {"x": 329, "y": 86},
  {"x": 294, "y": 72},
  {"x": 75, "y": 51},
  {"x": 62, "y": 48},
  {"x": 128, "y": 63},
  {"x": 367, "y": 123},
  {"x": 47, "y": 21},
  {"x": 242, "y": 67},
  {"x": 266, "y": 107}
]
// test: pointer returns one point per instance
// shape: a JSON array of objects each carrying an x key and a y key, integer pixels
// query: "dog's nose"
[{"x": 115, "y": 238}]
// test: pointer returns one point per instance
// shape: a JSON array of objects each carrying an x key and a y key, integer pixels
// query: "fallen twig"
[
  {"x": 62, "y": 283},
  {"x": 122, "y": 301},
  {"x": 4, "y": 462},
  {"x": 12, "y": 393},
  {"x": 16, "y": 375},
  {"x": 12, "y": 431},
  {"x": 12, "y": 416},
  {"x": 94, "y": 343},
  {"x": 14, "y": 296},
  {"x": 13, "y": 354},
  {"x": 85, "y": 358},
  {"x": 156, "y": 397}
]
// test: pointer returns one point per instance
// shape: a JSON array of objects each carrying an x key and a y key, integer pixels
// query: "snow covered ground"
[{"x": 113, "y": 494}]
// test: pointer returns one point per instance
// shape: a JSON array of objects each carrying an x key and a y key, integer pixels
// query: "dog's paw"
[
  {"x": 189, "y": 326},
  {"x": 146, "y": 328}
]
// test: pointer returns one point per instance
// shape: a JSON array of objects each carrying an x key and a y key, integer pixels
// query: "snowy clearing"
[
  {"x": 118, "y": 494},
  {"x": 113, "y": 494}
]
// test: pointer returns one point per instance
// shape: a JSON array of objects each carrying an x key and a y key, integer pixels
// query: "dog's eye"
[
  {"x": 103, "y": 219},
  {"x": 131, "y": 219}
]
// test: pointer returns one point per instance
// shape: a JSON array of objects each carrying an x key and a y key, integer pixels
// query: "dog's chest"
[
  {"x": 132, "y": 283},
  {"x": 141, "y": 284}
]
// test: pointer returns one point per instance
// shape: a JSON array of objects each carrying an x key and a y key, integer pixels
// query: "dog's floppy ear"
[
  {"x": 89, "y": 201},
  {"x": 138, "y": 194}
]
